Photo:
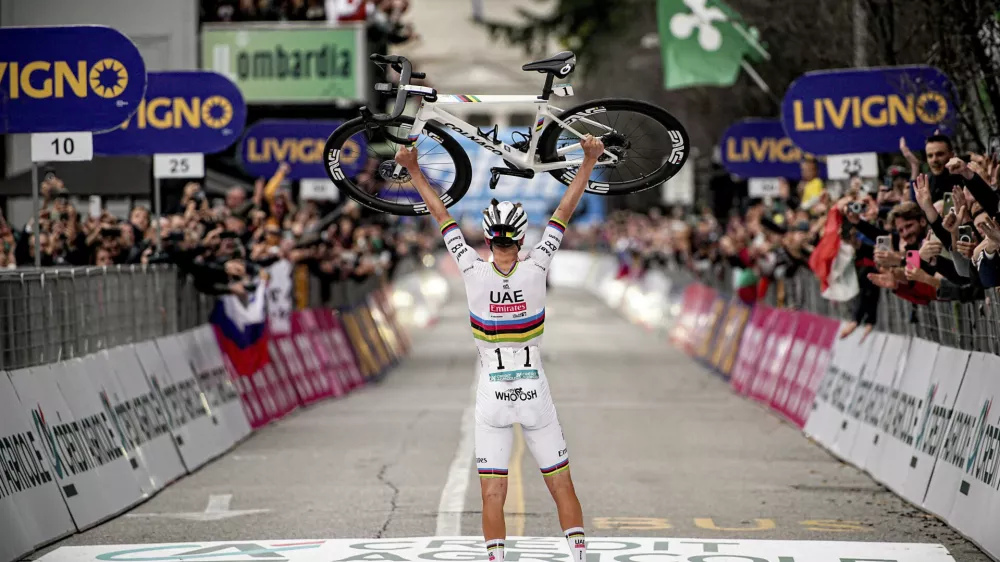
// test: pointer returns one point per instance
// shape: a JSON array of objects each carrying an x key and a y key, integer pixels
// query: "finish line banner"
[{"x": 518, "y": 549}]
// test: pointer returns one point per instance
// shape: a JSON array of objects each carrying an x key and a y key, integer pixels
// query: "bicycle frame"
[{"x": 437, "y": 113}]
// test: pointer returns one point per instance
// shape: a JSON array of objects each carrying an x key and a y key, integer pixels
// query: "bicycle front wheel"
[
  {"x": 361, "y": 163},
  {"x": 650, "y": 143}
]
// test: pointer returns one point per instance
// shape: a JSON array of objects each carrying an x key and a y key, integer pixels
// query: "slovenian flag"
[{"x": 241, "y": 330}]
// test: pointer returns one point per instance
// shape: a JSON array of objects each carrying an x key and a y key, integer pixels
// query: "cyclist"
[{"x": 507, "y": 311}]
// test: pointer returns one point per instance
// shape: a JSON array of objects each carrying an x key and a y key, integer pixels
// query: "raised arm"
[
  {"x": 407, "y": 158},
  {"x": 592, "y": 150}
]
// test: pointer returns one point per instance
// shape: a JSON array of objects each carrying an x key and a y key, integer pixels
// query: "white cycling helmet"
[{"x": 504, "y": 222}]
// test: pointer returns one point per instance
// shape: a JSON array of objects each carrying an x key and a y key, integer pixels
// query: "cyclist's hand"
[
  {"x": 592, "y": 148},
  {"x": 407, "y": 157}
]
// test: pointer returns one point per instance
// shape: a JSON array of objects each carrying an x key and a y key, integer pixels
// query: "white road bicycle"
[{"x": 637, "y": 156}]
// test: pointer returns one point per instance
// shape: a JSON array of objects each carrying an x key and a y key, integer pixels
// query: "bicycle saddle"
[{"x": 560, "y": 64}]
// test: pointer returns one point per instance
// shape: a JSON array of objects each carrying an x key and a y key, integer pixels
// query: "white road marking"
[
  {"x": 452, "y": 504},
  {"x": 217, "y": 508}
]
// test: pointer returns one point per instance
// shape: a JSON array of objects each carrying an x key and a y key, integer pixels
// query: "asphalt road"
[{"x": 659, "y": 447}]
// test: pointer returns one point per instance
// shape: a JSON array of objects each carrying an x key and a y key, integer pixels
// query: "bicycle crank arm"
[{"x": 495, "y": 174}]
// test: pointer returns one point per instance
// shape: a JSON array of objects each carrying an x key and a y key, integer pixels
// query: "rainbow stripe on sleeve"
[
  {"x": 557, "y": 224},
  {"x": 448, "y": 226}
]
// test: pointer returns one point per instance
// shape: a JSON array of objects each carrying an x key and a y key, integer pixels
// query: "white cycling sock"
[
  {"x": 494, "y": 549},
  {"x": 577, "y": 544}
]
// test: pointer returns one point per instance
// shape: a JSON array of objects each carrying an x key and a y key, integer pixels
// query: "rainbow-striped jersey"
[{"x": 506, "y": 308}]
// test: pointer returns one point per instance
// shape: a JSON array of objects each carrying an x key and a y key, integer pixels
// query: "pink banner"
[
  {"x": 696, "y": 303},
  {"x": 311, "y": 371},
  {"x": 290, "y": 368},
  {"x": 805, "y": 325},
  {"x": 776, "y": 347},
  {"x": 314, "y": 361},
  {"x": 341, "y": 350},
  {"x": 315, "y": 349},
  {"x": 816, "y": 358},
  {"x": 751, "y": 348},
  {"x": 280, "y": 375}
]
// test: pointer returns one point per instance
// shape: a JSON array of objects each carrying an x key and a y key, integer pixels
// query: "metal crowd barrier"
[
  {"x": 55, "y": 314},
  {"x": 972, "y": 326}
]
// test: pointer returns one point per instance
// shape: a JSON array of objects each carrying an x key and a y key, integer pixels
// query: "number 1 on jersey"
[{"x": 527, "y": 357}]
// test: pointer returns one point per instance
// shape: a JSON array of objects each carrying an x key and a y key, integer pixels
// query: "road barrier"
[
  {"x": 914, "y": 414},
  {"x": 87, "y": 438}
]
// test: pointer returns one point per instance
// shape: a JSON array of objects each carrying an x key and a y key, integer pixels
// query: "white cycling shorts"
[{"x": 510, "y": 392}]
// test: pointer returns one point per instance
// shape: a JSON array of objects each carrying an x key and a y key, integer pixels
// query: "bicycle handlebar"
[{"x": 401, "y": 65}]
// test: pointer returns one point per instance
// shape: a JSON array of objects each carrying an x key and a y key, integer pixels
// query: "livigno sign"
[{"x": 290, "y": 63}]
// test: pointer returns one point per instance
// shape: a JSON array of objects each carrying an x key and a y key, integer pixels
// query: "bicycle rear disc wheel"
[
  {"x": 651, "y": 144},
  {"x": 361, "y": 163}
]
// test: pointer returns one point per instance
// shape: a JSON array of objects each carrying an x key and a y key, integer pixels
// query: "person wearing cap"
[{"x": 507, "y": 315}]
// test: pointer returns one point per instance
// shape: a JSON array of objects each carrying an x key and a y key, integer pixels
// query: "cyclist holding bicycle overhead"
[{"x": 507, "y": 312}]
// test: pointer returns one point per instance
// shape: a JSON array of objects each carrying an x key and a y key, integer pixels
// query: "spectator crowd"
[
  {"x": 223, "y": 247},
  {"x": 927, "y": 232}
]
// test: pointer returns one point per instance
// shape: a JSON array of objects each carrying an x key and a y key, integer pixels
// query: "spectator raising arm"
[{"x": 983, "y": 193}]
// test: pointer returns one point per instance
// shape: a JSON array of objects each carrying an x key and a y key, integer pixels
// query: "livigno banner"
[{"x": 304, "y": 63}]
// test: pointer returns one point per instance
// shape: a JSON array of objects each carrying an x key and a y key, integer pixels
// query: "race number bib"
[{"x": 506, "y": 364}]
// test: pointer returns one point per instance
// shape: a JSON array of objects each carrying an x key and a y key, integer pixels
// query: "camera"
[{"x": 856, "y": 207}]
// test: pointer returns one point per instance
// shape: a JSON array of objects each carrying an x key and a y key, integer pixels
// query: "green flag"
[{"x": 703, "y": 43}]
